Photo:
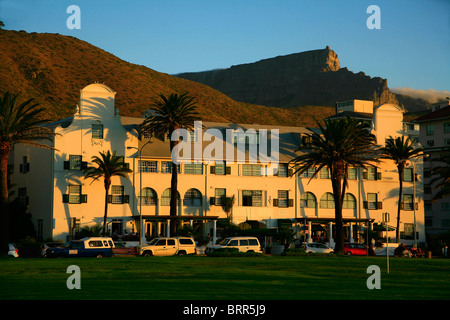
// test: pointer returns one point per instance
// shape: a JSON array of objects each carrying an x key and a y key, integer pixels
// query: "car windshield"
[
  {"x": 153, "y": 241},
  {"x": 224, "y": 242},
  {"x": 67, "y": 244}
]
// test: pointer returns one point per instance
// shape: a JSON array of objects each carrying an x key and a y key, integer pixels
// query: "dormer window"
[{"x": 97, "y": 131}]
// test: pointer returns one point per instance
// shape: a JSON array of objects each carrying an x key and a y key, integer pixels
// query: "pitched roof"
[{"x": 440, "y": 114}]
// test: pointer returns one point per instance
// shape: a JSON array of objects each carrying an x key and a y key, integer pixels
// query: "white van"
[{"x": 244, "y": 244}]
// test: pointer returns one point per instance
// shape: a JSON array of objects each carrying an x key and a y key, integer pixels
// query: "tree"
[
  {"x": 107, "y": 166},
  {"x": 442, "y": 177},
  {"x": 167, "y": 114},
  {"x": 19, "y": 123},
  {"x": 227, "y": 204},
  {"x": 1, "y": 24},
  {"x": 400, "y": 150},
  {"x": 339, "y": 144}
]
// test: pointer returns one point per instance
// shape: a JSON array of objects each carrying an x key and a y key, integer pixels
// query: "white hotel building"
[{"x": 52, "y": 183}]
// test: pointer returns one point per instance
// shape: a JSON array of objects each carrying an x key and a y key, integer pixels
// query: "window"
[
  {"x": 220, "y": 168},
  {"x": 25, "y": 165},
  {"x": 252, "y": 198},
  {"x": 306, "y": 141},
  {"x": 352, "y": 174},
  {"x": 324, "y": 173},
  {"x": 116, "y": 194},
  {"x": 74, "y": 196},
  {"x": 147, "y": 197},
  {"x": 283, "y": 198},
  {"x": 166, "y": 167},
  {"x": 282, "y": 170},
  {"x": 193, "y": 168},
  {"x": 192, "y": 198},
  {"x": 165, "y": 197},
  {"x": 74, "y": 193},
  {"x": 372, "y": 202},
  {"x": 408, "y": 204},
  {"x": 308, "y": 200},
  {"x": 22, "y": 196},
  {"x": 74, "y": 162},
  {"x": 445, "y": 206},
  {"x": 97, "y": 131},
  {"x": 408, "y": 174},
  {"x": 430, "y": 143},
  {"x": 430, "y": 129},
  {"x": 308, "y": 173},
  {"x": 148, "y": 166},
  {"x": 372, "y": 174},
  {"x": 349, "y": 201},
  {"x": 251, "y": 170},
  {"x": 408, "y": 232},
  {"x": 327, "y": 201},
  {"x": 447, "y": 127},
  {"x": 447, "y": 141},
  {"x": 218, "y": 193}
]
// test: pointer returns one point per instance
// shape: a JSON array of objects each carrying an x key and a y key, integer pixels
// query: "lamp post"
[{"x": 141, "y": 232}]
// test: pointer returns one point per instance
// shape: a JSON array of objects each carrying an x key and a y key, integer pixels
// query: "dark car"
[
  {"x": 357, "y": 249},
  {"x": 87, "y": 247}
]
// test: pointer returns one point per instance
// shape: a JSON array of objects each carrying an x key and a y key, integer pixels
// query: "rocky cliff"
[{"x": 306, "y": 78}]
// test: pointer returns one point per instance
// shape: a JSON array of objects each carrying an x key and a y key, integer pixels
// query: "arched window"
[
  {"x": 165, "y": 197},
  {"x": 327, "y": 201},
  {"x": 308, "y": 200},
  {"x": 148, "y": 197},
  {"x": 192, "y": 198},
  {"x": 349, "y": 201}
]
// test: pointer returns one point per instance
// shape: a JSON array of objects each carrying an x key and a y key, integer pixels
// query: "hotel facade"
[{"x": 52, "y": 184}]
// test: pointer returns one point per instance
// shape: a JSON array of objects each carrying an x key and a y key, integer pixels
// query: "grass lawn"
[{"x": 214, "y": 278}]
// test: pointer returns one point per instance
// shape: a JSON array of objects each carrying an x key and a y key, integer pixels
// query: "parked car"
[
  {"x": 47, "y": 245},
  {"x": 317, "y": 247},
  {"x": 356, "y": 249},
  {"x": 163, "y": 246},
  {"x": 98, "y": 247},
  {"x": 120, "y": 248},
  {"x": 13, "y": 251},
  {"x": 244, "y": 244}
]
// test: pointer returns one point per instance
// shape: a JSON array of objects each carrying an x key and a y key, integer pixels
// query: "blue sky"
[{"x": 411, "y": 50}]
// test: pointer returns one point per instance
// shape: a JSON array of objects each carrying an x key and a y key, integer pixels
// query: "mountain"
[
  {"x": 307, "y": 78},
  {"x": 54, "y": 68}
]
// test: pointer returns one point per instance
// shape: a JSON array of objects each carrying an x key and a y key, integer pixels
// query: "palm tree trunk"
[
  {"x": 173, "y": 192},
  {"x": 105, "y": 216},
  {"x": 336, "y": 179},
  {"x": 5, "y": 148}
]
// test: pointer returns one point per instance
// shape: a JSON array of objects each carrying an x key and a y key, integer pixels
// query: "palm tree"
[
  {"x": 400, "y": 150},
  {"x": 442, "y": 177},
  {"x": 108, "y": 166},
  {"x": 19, "y": 123},
  {"x": 339, "y": 144},
  {"x": 167, "y": 114},
  {"x": 227, "y": 204}
]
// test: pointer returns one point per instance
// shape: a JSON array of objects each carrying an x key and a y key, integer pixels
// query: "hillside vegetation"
[{"x": 54, "y": 68}]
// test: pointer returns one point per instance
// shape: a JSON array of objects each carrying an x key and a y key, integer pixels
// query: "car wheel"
[
  {"x": 181, "y": 253},
  {"x": 61, "y": 255},
  {"x": 100, "y": 255},
  {"x": 147, "y": 254},
  {"x": 348, "y": 253}
]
